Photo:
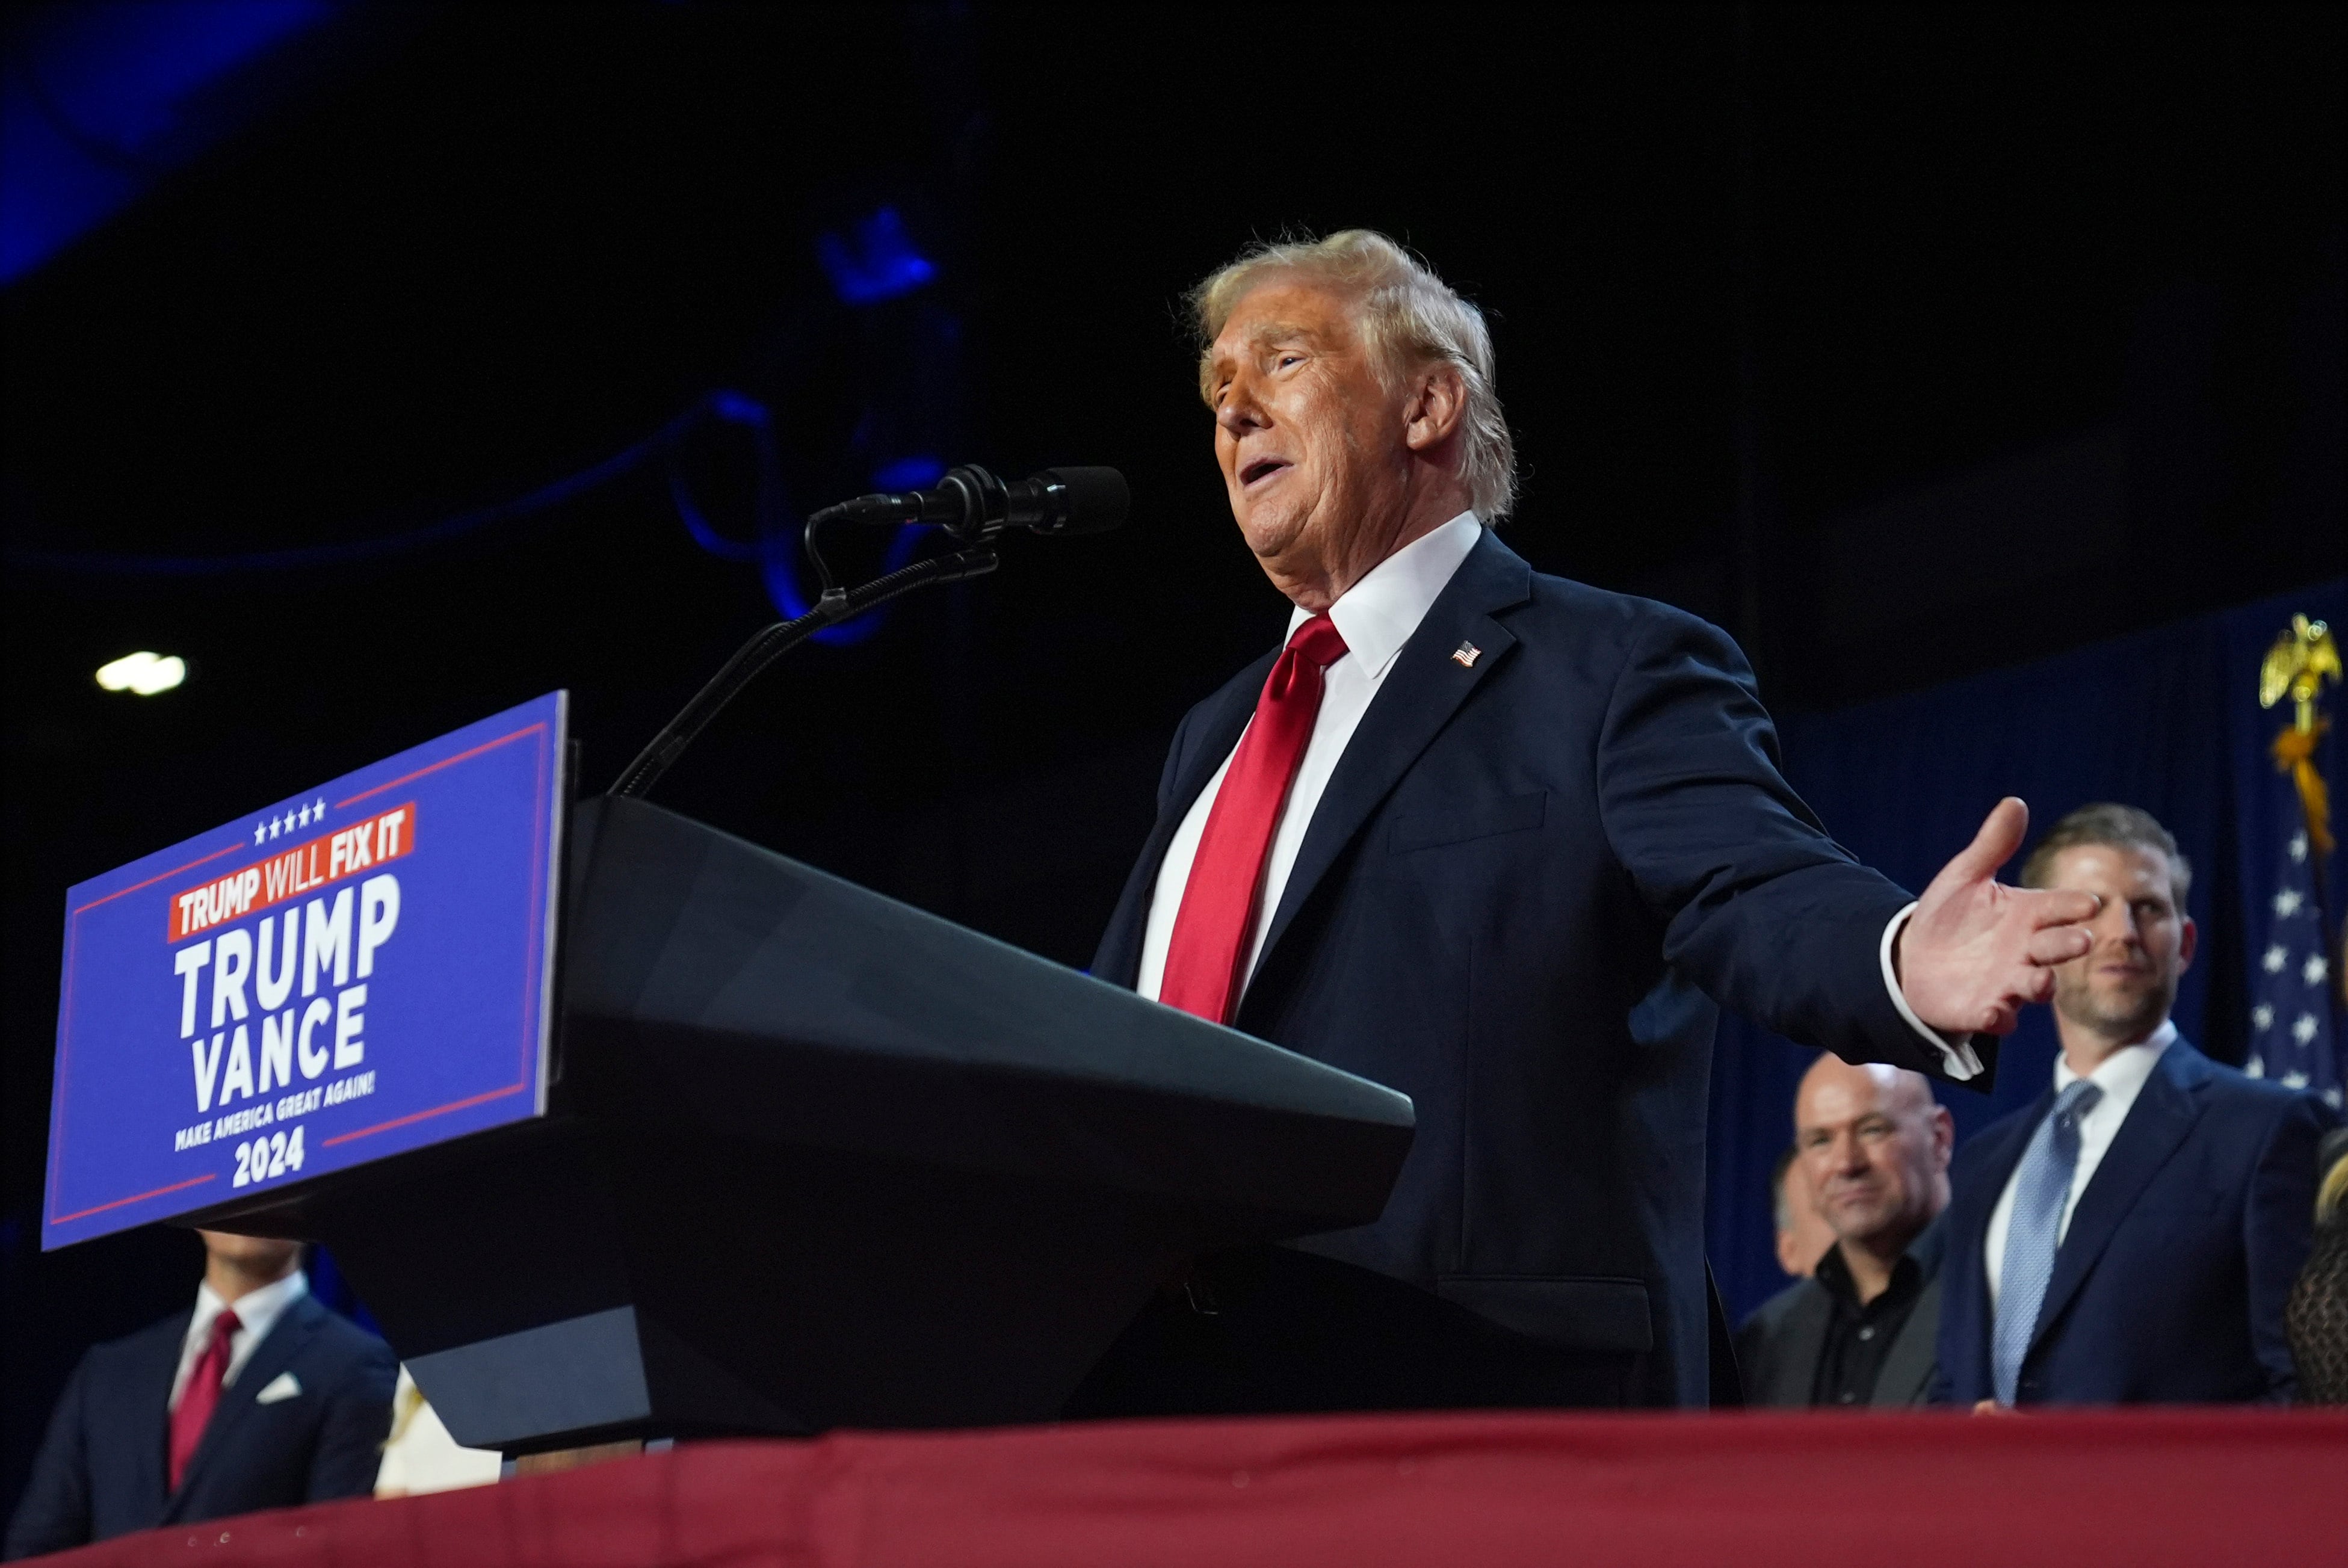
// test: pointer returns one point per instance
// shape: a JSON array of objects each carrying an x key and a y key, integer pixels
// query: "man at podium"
[{"x": 1501, "y": 842}]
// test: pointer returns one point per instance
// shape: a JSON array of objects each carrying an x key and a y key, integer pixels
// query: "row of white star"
[
  {"x": 2312, "y": 971},
  {"x": 314, "y": 812},
  {"x": 2302, "y": 1028},
  {"x": 2257, "y": 1067}
]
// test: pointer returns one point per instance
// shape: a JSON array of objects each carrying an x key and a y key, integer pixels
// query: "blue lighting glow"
[
  {"x": 101, "y": 100},
  {"x": 881, "y": 263},
  {"x": 775, "y": 550},
  {"x": 908, "y": 473}
]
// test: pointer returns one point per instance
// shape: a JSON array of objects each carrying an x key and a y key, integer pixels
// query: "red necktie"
[
  {"x": 200, "y": 1398},
  {"x": 1204, "y": 960}
]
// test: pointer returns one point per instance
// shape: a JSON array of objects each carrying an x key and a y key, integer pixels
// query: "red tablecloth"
[{"x": 2135, "y": 1488}]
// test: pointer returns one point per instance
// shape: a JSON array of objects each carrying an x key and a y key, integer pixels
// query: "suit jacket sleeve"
[
  {"x": 54, "y": 1513},
  {"x": 2278, "y": 1229},
  {"x": 1760, "y": 908},
  {"x": 1172, "y": 771},
  {"x": 358, "y": 1419}
]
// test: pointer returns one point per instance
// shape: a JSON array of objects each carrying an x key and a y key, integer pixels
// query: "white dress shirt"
[
  {"x": 257, "y": 1313},
  {"x": 1376, "y": 616},
  {"x": 2121, "y": 1076}
]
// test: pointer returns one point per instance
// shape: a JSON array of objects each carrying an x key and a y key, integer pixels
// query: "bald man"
[{"x": 1861, "y": 1330}]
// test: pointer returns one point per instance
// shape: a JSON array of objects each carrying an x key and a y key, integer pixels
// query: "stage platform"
[{"x": 2139, "y": 1488}]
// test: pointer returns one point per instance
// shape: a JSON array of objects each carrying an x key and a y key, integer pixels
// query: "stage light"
[{"x": 143, "y": 672}]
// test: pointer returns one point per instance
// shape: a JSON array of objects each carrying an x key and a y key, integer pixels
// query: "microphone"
[{"x": 974, "y": 506}]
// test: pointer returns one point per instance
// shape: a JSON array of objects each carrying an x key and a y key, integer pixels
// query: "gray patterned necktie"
[{"x": 2041, "y": 1188}]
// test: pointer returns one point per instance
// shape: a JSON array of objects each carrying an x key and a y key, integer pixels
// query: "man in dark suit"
[
  {"x": 1499, "y": 840},
  {"x": 259, "y": 1398},
  {"x": 1863, "y": 1330},
  {"x": 2133, "y": 1234}
]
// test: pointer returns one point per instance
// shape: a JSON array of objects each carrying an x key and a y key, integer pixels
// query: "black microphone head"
[{"x": 1081, "y": 500}]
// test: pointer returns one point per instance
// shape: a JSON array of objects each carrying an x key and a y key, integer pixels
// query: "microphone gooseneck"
[
  {"x": 771, "y": 642},
  {"x": 970, "y": 503}
]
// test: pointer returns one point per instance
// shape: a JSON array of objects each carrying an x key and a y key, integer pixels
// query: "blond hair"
[{"x": 1409, "y": 317}]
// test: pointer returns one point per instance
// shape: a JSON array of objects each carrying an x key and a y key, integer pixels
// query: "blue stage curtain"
[{"x": 2168, "y": 720}]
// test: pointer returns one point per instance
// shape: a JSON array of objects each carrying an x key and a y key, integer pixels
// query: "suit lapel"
[
  {"x": 2164, "y": 1112},
  {"x": 291, "y": 1331},
  {"x": 1215, "y": 730},
  {"x": 1907, "y": 1375},
  {"x": 1417, "y": 698},
  {"x": 1794, "y": 1373},
  {"x": 1997, "y": 1169},
  {"x": 1907, "y": 1371},
  {"x": 1968, "y": 1225},
  {"x": 151, "y": 1460}
]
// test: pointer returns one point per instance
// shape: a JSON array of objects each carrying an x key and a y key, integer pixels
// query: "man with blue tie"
[
  {"x": 1502, "y": 842},
  {"x": 259, "y": 1398},
  {"x": 2132, "y": 1236}
]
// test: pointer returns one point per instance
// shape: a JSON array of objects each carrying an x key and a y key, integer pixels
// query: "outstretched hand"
[{"x": 1977, "y": 951}]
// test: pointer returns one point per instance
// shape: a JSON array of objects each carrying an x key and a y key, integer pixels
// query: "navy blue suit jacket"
[
  {"x": 1526, "y": 884},
  {"x": 2170, "y": 1285},
  {"x": 102, "y": 1468}
]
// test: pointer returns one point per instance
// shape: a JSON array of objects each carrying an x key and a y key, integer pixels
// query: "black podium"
[{"x": 814, "y": 1159}]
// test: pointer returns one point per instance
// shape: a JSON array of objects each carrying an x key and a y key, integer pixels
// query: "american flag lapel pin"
[{"x": 1466, "y": 655}]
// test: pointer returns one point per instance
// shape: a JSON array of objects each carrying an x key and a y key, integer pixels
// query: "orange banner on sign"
[{"x": 291, "y": 872}]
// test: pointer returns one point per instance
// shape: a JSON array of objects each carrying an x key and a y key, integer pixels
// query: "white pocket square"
[{"x": 285, "y": 1386}]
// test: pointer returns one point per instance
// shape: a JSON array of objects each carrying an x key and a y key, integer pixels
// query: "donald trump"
[{"x": 1505, "y": 842}]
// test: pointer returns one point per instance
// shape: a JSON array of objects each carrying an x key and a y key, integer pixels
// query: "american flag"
[{"x": 2294, "y": 1032}]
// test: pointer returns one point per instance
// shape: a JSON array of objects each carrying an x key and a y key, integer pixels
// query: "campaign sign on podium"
[{"x": 356, "y": 972}]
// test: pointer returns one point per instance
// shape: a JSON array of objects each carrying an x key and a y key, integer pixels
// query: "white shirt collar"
[
  {"x": 1377, "y": 615},
  {"x": 2124, "y": 1072},
  {"x": 257, "y": 1311}
]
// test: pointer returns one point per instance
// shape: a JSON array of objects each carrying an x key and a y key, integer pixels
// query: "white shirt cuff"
[{"x": 1957, "y": 1059}]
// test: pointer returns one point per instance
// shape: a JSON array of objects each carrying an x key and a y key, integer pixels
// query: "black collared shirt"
[{"x": 1858, "y": 1337}]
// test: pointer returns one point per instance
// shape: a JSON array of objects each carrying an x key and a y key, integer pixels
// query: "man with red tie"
[
  {"x": 259, "y": 1398},
  {"x": 1502, "y": 842}
]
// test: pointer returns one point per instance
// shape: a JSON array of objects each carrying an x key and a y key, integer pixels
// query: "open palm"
[{"x": 1977, "y": 950}]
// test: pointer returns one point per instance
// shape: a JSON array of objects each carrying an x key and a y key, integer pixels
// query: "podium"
[{"x": 813, "y": 1157}]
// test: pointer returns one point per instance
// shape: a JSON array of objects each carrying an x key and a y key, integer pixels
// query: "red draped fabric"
[{"x": 2141, "y": 1488}]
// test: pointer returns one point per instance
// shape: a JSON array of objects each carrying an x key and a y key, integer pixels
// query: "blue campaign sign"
[{"x": 362, "y": 970}]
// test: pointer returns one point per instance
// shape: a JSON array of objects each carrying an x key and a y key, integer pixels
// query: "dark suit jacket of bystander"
[
  {"x": 2169, "y": 1286},
  {"x": 101, "y": 1468}
]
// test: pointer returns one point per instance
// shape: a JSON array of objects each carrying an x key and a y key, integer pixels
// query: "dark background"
[{"x": 1906, "y": 343}]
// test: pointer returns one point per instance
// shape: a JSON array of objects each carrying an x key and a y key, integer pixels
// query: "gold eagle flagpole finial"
[{"x": 2304, "y": 656}]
